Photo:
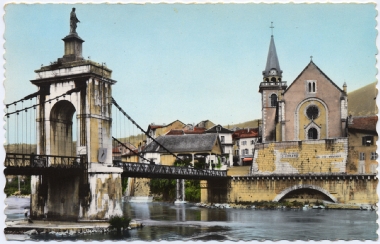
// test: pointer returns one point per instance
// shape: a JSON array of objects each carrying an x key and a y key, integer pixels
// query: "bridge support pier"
[
  {"x": 214, "y": 191},
  {"x": 180, "y": 191},
  {"x": 85, "y": 196},
  {"x": 55, "y": 197},
  {"x": 104, "y": 198}
]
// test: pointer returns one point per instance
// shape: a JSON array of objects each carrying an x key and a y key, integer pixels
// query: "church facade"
[
  {"x": 304, "y": 125},
  {"x": 312, "y": 107}
]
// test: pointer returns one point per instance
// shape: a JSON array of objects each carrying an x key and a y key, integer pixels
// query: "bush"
[
  {"x": 200, "y": 163},
  {"x": 184, "y": 163},
  {"x": 12, "y": 186},
  {"x": 118, "y": 223}
]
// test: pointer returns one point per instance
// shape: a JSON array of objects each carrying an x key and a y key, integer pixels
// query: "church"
[
  {"x": 312, "y": 107},
  {"x": 304, "y": 125}
]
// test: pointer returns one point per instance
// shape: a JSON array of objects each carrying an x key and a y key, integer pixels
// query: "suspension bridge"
[
  {"x": 63, "y": 136},
  {"x": 22, "y": 158}
]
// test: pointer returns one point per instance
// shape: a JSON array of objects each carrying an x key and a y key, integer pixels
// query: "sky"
[{"x": 193, "y": 62}]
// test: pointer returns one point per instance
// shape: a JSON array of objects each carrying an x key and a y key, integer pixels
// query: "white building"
[
  {"x": 225, "y": 137},
  {"x": 244, "y": 145}
]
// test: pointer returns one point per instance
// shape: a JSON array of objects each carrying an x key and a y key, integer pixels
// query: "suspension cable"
[
  {"x": 35, "y": 124},
  {"x": 7, "y": 131},
  {"x": 30, "y": 128},
  {"x": 22, "y": 127},
  {"x": 17, "y": 133},
  {"x": 136, "y": 153},
  {"x": 77, "y": 89},
  {"x": 143, "y": 131}
]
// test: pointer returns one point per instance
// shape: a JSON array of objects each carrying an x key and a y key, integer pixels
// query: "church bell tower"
[{"x": 272, "y": 105}]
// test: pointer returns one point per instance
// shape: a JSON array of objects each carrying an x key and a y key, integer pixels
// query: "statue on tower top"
[{"x": 73, "y": 22}]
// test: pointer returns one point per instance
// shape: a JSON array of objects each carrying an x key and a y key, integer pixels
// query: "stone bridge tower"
[{"x": 87, "y": 88}]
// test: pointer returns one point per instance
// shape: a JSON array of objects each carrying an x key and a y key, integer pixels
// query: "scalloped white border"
[{"x": 2, "y": 62}]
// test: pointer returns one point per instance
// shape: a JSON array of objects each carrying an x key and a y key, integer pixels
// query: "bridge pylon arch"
[
  {"x": 61, "y": 129},
  {"x": 284, "y": 192},
  {"x": 74, "y": 85}
]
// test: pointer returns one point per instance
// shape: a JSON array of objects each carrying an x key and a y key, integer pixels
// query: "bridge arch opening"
[
  {"x": 304, "y": 193},
  {"x": 61, "y": 129}
]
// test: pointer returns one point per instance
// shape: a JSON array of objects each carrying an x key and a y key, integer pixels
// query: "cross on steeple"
[{"x": 271, "y": 26}]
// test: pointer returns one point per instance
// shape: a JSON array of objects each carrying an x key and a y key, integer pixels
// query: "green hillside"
[
  {"x": 248, "y": 124},
  {"x": 362, "y": 101}
]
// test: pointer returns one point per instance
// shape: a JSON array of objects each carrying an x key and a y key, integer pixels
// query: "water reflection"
[{"x": 165, "y": 221}]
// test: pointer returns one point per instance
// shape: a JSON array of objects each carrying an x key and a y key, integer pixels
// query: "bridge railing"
[
  {"x": 43, "y": 161},
  {"x": 172, "y": 170}
]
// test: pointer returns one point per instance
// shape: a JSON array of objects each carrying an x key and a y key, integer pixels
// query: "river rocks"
[
  {"x": 31, "y": 232},
  {"x": 63, "y": 230},
  {"x": 241, "y": 206},
  {"x": 134, "y": 224},
  {"x": 224, "y": 205}
]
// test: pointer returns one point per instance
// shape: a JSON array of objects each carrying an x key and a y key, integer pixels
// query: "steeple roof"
[{"x": 272, "y": 60}]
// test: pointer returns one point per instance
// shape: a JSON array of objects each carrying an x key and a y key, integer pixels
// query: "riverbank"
[
  {"x": 61, "y": 227},
  {"x": 287, "y": 205},
  {"x": 19, "y": 195},
  {"x": 186, "y": 222}
]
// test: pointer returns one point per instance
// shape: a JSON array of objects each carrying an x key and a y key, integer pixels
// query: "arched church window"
[
  {"x": 273, "y": 100},
  {"x": 279, "y": 79},
  {"x": 312, "y": 112},
  {"x": 311, "y": 86},
  {"x": 273, "y": 79},
  {"x": 312, "y": 134},
  {"x": 266, "y": 79}
]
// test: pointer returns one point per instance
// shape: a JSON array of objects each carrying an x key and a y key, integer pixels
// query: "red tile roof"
[
  {"x": 245, "y": 133},
  {"x": 367, "y": 123},
  {"x": 155, "y": 126},
  {"x": 175, "y": 132},
  {"x": 194, "y": 131}
]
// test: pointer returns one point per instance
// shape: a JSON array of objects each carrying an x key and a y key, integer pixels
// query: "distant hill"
[
  {"x": 362, "y": 102},
  {"x": 248, "y": 124}
]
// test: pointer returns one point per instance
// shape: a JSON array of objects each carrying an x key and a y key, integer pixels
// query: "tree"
[{"x": 166, "y": 187}]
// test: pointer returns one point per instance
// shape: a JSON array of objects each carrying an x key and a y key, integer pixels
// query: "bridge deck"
[
  {"x": 141, "y": 170},
  {"x": 31, "y": 164},
  {"x": 315, "y": 176}
]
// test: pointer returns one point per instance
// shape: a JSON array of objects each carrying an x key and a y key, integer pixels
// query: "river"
[{"x": 165, "y": 221}]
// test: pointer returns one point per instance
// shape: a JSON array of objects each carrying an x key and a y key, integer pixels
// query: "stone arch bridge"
[{"x": 338, "y": 188}]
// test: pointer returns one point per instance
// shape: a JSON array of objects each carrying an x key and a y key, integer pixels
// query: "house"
[
  {"x": 362, "y": 147},
  {"x": 244, "y": 145},
  {"x": 158, "y": 130},
  {"x": 192, "y": 130},
  {"x": 207, "y": 124},
  {"x": 225, "y": 137},
  {"x": 127, "y": 153},
  {"x": 197, "y": 148}
]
